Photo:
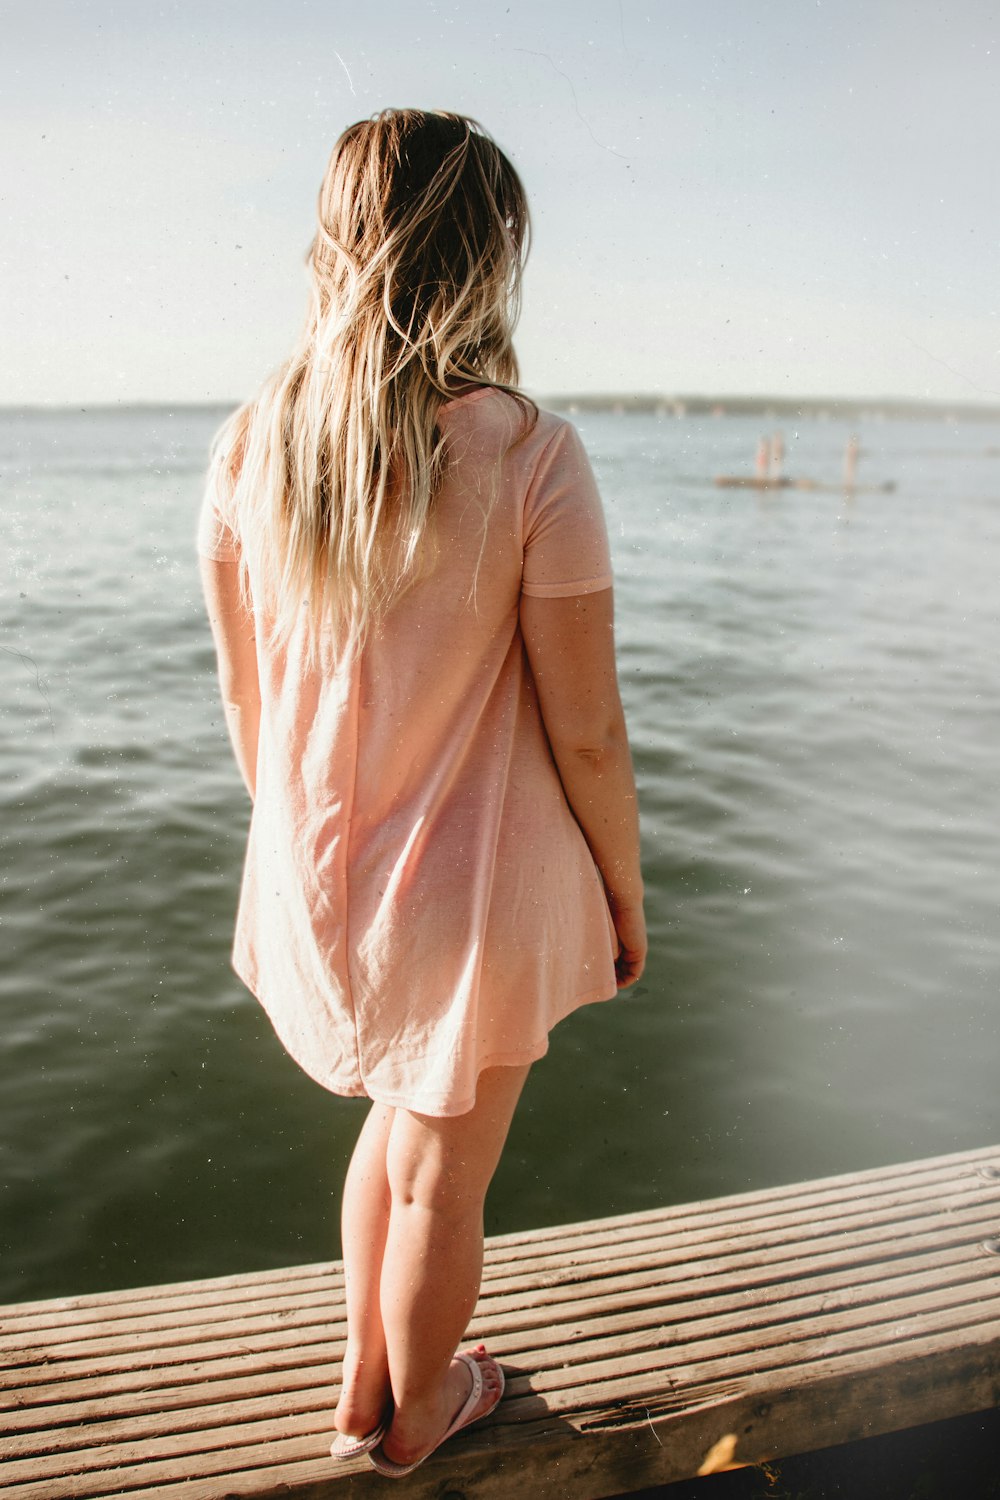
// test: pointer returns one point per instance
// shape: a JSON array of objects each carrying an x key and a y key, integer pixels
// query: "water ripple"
[{"x": 810, "y": 684}]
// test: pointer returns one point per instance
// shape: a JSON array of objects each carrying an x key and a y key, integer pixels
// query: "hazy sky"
[{"x": 784, "y": 197}]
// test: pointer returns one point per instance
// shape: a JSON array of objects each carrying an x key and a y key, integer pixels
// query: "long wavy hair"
[{"x": 415, "y": 274}]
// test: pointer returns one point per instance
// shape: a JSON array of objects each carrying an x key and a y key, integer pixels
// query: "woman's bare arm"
[
  {"x": 236, "y": 651},
  {"x": 570, "y": 646}
]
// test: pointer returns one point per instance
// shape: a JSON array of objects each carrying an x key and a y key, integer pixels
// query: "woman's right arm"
[
  {"x": 236, "y": 653},
  {"x": 571, "y": 649}
]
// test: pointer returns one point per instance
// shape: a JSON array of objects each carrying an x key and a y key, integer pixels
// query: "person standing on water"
[{"x": 407, "y": 576}]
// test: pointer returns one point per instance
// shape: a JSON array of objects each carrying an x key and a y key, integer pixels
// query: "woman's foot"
[{"x": 417, "y": 1431}]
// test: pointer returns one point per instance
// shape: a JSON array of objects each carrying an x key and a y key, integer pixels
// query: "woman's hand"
[{"x": 630, "y": 925}]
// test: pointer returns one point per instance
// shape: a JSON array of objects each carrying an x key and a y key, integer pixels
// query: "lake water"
[{"x": 811, "y": 682}]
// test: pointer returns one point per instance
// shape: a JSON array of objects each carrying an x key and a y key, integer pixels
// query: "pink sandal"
[
  {"x": 344, "y": 1446},
  {"x": 391, "y": 1470}
]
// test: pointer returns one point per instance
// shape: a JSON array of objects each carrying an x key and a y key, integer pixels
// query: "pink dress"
[{"x": 418, "y": 901}]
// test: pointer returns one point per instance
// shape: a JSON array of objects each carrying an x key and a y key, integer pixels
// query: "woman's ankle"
[
  {"x": 364, "y": 1395},
  {"x": 419, "y": 1421}
]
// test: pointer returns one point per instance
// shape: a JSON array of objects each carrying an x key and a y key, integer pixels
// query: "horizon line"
[{"x": 562, "y": 398}]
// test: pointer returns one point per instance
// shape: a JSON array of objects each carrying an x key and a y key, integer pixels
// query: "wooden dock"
[{"x": 639, "y": 1350}]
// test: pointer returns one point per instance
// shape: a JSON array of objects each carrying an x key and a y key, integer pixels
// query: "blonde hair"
[{"x": 415, "y": 273}]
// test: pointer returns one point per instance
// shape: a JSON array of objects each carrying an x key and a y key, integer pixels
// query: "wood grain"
[{"x": 640, "y": 1350}]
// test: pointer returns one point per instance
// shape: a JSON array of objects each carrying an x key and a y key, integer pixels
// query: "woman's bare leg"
[
  {"x": 364, "y": 1391},
  {"x": 438, "y": 1173}
]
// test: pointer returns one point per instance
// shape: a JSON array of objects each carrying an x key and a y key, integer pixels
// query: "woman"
[{"x": 407, "y": 576}]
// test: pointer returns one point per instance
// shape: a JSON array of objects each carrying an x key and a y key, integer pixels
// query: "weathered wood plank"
[
  {"x": 749, "y": 1425},
  {"x": 636, "y": 1375},
  {"x": 757, "y": 1200},
  {"x": 771, "y": 1347},
  {"x": 757, "y": 1206},
  {"x": 758, "y": 1257},
  {"x": 843, "y": 1186},
  {"x": 66, "y": 1403},
  {"x": 711, "y": 1294},
  {"x": 312, "y": 1346},
  {"x": 587, "y": 1255},
  {"x": 638, "y": 1350}
]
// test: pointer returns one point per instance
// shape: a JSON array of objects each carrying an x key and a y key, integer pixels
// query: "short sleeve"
[
  {"x": 216, "y": 537},
  {"x": 565, "y": 538}
]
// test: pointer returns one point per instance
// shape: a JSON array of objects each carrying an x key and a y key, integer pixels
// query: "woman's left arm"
[{"x": 236, "y": 650}]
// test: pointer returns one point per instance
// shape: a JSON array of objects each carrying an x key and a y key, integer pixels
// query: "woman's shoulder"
[{"x": 516, "y": 422}]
